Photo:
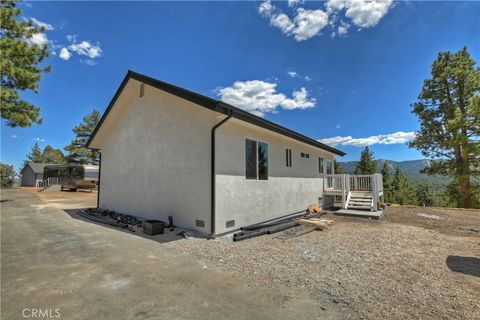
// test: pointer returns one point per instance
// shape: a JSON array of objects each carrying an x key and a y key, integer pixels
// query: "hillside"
[{"x": 411, "y": 169}]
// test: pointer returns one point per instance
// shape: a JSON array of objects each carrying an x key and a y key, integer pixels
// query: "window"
[
  {"x": 251, "y": 159},
  {"x": 320, "y": 165},
  {"x": 288, "y": 154},
  {"x": 142, "y": 89},
  {"x": 307, "y": 155},
  {"x": 329, "y": 166},
  {"x": 302, "y": 155},
  {"x": 256, "y": 160}
]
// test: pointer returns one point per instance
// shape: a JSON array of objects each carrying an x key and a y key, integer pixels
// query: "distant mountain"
[{"x": 411, "y": 169}]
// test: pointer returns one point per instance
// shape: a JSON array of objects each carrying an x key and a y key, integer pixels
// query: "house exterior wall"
[
  {"x": 287, "y": 190},
  {"x": 29, "y": 178},
  {"x": 156, "y": 160}
]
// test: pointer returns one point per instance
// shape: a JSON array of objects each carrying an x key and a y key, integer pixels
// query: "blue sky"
[{"x": 325, "y": 69}]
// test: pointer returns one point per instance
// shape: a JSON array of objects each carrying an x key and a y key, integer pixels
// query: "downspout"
[
  {"x": 99, "y": 175},
  {"x": 212, "y": 179}
]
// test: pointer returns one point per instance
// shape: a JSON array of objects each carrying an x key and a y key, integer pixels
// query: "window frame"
[{"x": 257, "y": 168}]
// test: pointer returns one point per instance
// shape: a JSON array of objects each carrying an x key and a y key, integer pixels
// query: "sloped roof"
[
  {"x": 37, "y": 167},
  {"x": 212, "y": 104}
]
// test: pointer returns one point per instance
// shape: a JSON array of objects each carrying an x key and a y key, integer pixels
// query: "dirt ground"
[{"x": 416, "y": 263}]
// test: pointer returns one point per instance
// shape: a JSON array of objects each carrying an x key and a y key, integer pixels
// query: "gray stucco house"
[
  {"x": 32, "y": 174},
  {"x": 167, "y": 151}
]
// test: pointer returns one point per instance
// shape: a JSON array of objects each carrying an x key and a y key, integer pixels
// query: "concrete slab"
[{"x": 360, "y": 213}]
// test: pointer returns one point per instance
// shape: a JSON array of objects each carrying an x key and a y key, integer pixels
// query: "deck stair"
[
  {"x": 360, "y": 201},
  {"x": 51, "y": 188}
]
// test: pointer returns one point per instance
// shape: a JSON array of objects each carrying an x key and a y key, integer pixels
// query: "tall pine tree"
[
  {"x": 387, "y": 183},
  {"x": 19, "y": 66},
  {"x": 367, "y": 163},
  {"x": 51, "y": 155},
  {"x": 402, "y": 191},
  {"x": 448, "y": 109},
  {"x": 78, "y": 152},
  {"x": 35, "y": 154}
]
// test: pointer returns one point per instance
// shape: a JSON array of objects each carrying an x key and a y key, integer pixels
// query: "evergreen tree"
[
  {"x": 7, "y": 176},
  {"x": 19, "y": 66},
  {"x": 35, "y": 155},
  {"x": 367, "y": 163},
  {"x": 448, "y": 109},
  {"x": 402, "y": 191},
  {"x": 78, "y": 152},
  {"x": 51, "y": 155},
  {"x": 387, "y": 183},
  {"x": 337, "y": 167},
  {"x": 425, "y": 195}
]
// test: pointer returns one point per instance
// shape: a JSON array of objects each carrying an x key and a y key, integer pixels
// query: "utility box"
[{"x": 153, "y": 227}]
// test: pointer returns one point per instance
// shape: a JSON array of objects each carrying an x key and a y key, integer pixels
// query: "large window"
[
  {"x": 256, "y": 160},
  {"x": 325, "y": 166}
]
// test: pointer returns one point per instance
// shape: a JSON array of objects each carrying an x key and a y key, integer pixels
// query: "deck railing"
[{"x": 343, "y": 184}]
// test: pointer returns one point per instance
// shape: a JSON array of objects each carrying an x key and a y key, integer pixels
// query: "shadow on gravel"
[
  {"x": 465, "y": 265},
  {"x": 167, "y": 236}
]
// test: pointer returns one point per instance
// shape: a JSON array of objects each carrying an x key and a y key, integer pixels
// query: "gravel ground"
[{"x": 396, "y": 268}]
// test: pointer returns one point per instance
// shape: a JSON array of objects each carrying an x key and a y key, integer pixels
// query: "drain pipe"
[
  {"x": 212, "y": 179},
  {"x": 99, "y": 174}
]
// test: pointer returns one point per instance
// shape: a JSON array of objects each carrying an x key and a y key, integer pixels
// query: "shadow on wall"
[
  {"x": 167, "y": 236},
  {"x": 465, "y": 265}
]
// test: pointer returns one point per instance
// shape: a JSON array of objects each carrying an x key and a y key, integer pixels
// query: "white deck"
[{"x": 358, "y": 192}]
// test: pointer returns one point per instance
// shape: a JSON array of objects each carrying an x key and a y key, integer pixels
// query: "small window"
[
  {"x": 142, "y": 89},
  {"x": 307, "y": 155},
  {"x": 320, "y": 165},
  {"x": 302, "y": 155},
  {"x": 288, "y": 154},
  {"x": 256, "y": 160}
]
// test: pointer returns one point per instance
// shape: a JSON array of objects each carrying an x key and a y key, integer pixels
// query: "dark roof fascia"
[{"x": 214, "y": 105}]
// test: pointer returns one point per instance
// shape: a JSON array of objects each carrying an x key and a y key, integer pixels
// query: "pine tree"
[
  {"x": 387, "y": 183},
  {"x": 402, "y": 191},
  {"x": 78, "y": 152},
  {"x": 51, "y": 155},
  {"x": 35, "y": 155},
  {"x": 7, "y": 176},
  {"x": 19, "y": 66},
  {"x": 448, "y": 109},
  {"x": 367, "y": 164}
]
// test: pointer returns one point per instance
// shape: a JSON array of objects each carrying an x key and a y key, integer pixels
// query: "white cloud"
[
  {"x": 307, "y": 78},
  {"x": 88, "y": 62},
  {"x": 309, "y": 23},
  {"x": 260, "y": 97},
  {"x": 306, "y": 23},
  {"x": 41, "y": 24},
  {"x": 38, "y": 39},
  {"x": 39, "y": 140},
  {"x": 72, "y": 37},
  {"x": 338, "y": 126},
  {"x": 292, "y": 74},
  {"x": 363, "y": 13},
  {"x": 65, "y": 54},
  {"x": 293, "y": 3},
  {"x": 393, "y": 138},
  {"x": 14, "y": 136},
  {"x": 86, "y": 48}
]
